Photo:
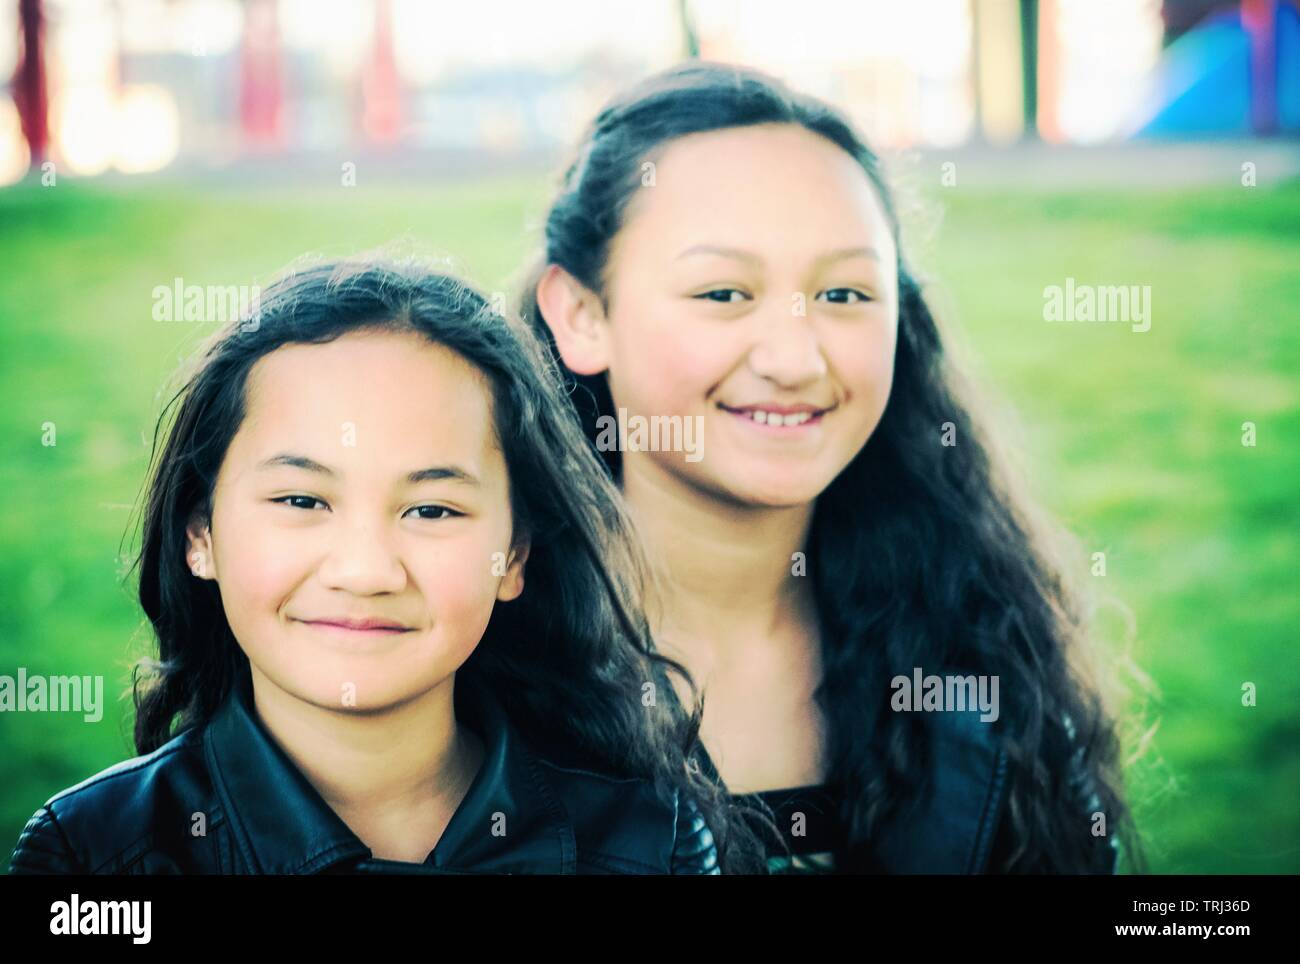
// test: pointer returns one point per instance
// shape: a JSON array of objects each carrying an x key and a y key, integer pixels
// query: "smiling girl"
[
  {"x": 397, "y": 612},
  {"x": 723, "y": 248}
]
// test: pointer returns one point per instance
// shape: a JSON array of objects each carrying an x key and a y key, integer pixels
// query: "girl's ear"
[
  {"x": 576, "y": 319},
  {"x": 198, "y": 550},
  {"x": 512, "y": 584}
]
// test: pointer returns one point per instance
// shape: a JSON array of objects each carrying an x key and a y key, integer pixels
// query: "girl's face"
[
  {"x": 756, "y": 274},
  {"x": 365, "y": 486}
]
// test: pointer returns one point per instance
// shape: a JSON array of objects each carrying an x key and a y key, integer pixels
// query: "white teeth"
[{"x": 775, "y": 418}]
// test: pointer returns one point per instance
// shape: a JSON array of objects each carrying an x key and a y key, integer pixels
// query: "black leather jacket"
[
  {"x": 960, "y": 825},
  {"x": 223, "y": 798}
]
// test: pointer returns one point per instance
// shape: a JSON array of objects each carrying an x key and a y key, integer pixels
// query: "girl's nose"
[
  {"x": 362, "y": 561},
  {"x": 788, "y": 352}
]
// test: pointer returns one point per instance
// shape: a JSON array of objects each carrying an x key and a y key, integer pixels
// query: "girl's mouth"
[
  {"x": 366, "y": 627},
  {"x": 779, "y": 419}
]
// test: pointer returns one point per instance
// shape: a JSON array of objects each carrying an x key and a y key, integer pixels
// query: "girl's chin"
[
  {"x": 773, "y": 500},
  {"x": 358, "y": 684},
  {"x": 778, "y": 490},
  {"x": 363, "y": 695}
]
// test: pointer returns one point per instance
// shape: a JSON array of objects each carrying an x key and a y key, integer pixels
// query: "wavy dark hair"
[
  {"x": 572, "y": 654},
  {"x": 920, "y": 554}
]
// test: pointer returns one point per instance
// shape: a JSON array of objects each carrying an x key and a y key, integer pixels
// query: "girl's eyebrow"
[
  {"x": 297, "y": 462},
  {"x": 438, "y": 472},
  {"x": 725, "y": 252},
  {"x": 839, "y": 254},
  {"x": 842, "y": 254},
  {"x": 434, "y": 473}
]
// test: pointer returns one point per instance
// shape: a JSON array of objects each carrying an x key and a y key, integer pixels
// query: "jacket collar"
[{"x": 510, "y": 820}]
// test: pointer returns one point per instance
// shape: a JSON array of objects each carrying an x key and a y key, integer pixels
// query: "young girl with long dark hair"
[
  {"x": 891, "y": 661},
  {"x": 398, "y": 616}
]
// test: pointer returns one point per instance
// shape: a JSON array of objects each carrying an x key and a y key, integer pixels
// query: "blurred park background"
[{"x": 1115, "y": 142}]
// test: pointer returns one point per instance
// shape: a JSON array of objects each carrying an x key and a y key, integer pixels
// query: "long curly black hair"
[{"x": 921, "y": 554}]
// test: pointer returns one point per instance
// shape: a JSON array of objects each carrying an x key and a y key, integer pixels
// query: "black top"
[
  {"x": 810, "y": 828},
  {"x": 224, "y": 798},
  {"x": 950, "y": 828}
]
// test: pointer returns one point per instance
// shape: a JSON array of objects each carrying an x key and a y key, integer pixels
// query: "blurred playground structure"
[{"x": 139, "y": 86}]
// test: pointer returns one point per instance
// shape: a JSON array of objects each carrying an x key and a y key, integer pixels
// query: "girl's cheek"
[
  {"x": 458, "y": 577},
  {"x": 458, "y": 586},
  {"x": 865, "y": 361},
  {"x": 260, "y": 562},
  {"x": 669, "y": 370}
]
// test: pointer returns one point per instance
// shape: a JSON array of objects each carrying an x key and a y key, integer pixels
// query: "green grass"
[{"x": 1132, "y": 439}]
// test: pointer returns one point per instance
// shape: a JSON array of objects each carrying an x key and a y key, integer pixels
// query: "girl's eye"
[
  {"x": 297, "y": 501},
  {"x": 723, "y": 295},
  {"x": 432, "y": 510},
  {"x": 845, "y": 296}
]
